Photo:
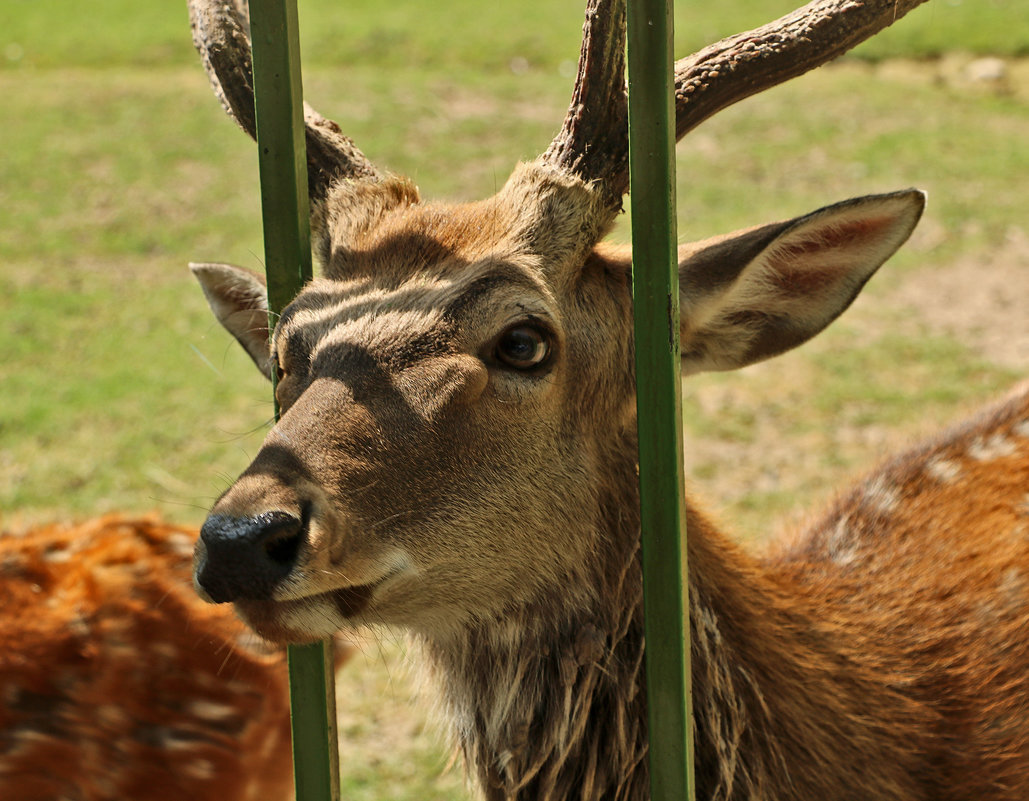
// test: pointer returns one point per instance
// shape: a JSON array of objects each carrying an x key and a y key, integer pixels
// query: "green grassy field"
[
  {"x": 118, "y": 168},
  {"x": 460, "y": 35}
]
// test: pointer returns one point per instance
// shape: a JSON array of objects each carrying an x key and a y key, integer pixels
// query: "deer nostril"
[
  {"x": 246, "y": 558},
  {"x": 282, "y": 545},
  {"x": 281, "y": 535}
]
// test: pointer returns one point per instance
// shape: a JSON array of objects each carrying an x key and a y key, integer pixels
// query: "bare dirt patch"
[
  {"x": 961, "y": 71},
  {"x": 982, "y": 302}
]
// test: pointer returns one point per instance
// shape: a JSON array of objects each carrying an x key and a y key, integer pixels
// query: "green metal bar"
[
  {"x": 312, "y": 691},
  {"x": 287, "y": 251},
  {"x": 283, "y": 156},
  {"x": 659, "y": 403}
]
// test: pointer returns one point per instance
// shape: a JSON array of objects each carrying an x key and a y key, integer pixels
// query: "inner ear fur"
[
  {"x": 239, "y": 301},
  {"x": 753, "y": 294}
]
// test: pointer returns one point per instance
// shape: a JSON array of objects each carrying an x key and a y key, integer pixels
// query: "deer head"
[{"x": 457, "y": 388}]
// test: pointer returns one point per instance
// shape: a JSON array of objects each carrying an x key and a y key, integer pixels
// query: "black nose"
[{"x": 247, "y": 556}]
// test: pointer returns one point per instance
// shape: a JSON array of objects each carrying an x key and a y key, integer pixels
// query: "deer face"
[
  {"x": 442, "y": 390},
  {"x": 453, "y": 388},
  {"x": 458, "y": 385}
]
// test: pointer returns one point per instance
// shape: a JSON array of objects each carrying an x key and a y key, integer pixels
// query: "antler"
[
  {"x": 748, "y": 63},
  {"x": 593, "y": 142},
  {"x": 221, "y": 34}
]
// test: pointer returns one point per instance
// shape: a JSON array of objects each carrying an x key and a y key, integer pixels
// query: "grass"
[
  {"x": 386, "y": 752},
  {"x": 121, "y": 393},
  {"x": 118, "y": 168},
  {"x": 491, "y": 36}
]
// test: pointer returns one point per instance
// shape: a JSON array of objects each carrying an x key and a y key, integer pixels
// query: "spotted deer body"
[
  {"x": 457, "y": 456},
  {"x": 897, "y": 623},
  {"x": 117, "y": 683}
]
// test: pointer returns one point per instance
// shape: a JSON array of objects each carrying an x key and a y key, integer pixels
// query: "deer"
[
  {"x": 457, "y": 458},
  {"x": 118, "y": 682}
]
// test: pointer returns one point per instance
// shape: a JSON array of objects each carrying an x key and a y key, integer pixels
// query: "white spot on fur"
[
  {"x": 270, "y": 744},
  {"x": 946, "y": 471},
  {"x": 996, "y": 446},
  {"x": 842, "y": 546},
  {"x": 178, "y": 740},
  {"x": 165, "y": 650},
  {"x": 255, "y": 791},
  {"x": 201, "y": 769},
  {"x": 26, "y": 736},
  {"x": 880, "y": 496},
  {"x": 1013, "y": 584},
  {"x": 1012, "y": 593},
  {"x": 111, "y": 716},
  {"x": 181, "y": 544},
  {"x": 206, "y": 680},
  {"x": 1010, "y": 597},
  {"x": 57, "y": 556},
  {"x": 1021, "y": 429},
  {"x": 78, "y": 626},
  {"x": 209, "y": 710},
  {"x": 13, "y": 564}
]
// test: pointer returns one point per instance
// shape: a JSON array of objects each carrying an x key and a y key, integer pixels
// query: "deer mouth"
[
  {"x": 311, "y": 618},
  {"x": 351, "y": 601},
  {"x": 305, "y": 620}
]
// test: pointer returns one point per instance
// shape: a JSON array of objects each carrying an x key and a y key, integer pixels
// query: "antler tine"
[
  {"x": 221, "y": 34},
  {"x": 748, "y": 63},
  {"x": 593, "y": 142}
]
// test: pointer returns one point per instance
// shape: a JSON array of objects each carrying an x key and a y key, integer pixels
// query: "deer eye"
[{"x": 523, "y": 347}]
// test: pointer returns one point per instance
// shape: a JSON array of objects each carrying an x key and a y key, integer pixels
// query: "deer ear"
[
  {"x": 240, "y": 302},
  {"x": 754, "y": 294}
]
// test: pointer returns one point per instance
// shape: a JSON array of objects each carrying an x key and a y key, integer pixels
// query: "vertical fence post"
[
  {"x": 278, "y": 104},
  {"x": 655, "y": 282}
]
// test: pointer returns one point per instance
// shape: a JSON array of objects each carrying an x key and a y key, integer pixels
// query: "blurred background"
[{"x": 117, "y": 167}]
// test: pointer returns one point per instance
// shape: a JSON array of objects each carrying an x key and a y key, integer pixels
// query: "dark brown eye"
[{"x": 523, "y": 347}]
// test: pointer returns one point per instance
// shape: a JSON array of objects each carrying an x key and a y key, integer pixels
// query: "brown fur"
[{"x": 116, "y": 683}]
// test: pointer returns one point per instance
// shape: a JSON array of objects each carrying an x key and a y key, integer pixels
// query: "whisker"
[{"x": 206, "y": 361}]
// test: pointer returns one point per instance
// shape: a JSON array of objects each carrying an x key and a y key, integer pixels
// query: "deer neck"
[
  {"x": 792, "y": 696},
  {"x": 551, "y": 703}
]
